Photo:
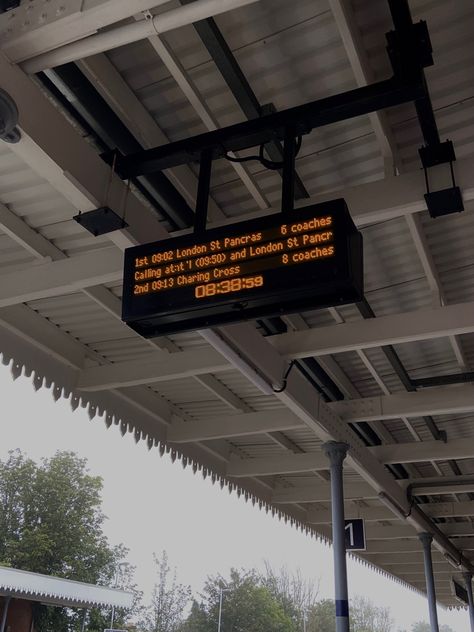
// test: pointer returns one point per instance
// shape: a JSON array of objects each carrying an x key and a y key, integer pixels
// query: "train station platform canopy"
[
  {"x": 391, "y": 375},
  {"x": 59, "y": 592}
]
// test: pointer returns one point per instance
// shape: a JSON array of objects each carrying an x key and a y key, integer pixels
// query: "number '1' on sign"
[{"x": 355, "y": 535}]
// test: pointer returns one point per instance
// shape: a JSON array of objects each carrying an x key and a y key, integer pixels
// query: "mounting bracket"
[{"x": 444, "y": 201}]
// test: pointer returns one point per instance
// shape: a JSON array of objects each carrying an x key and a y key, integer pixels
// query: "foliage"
[
  {"x": 277, "y": 602},
  {"x": 51, "y": 522},
  {"x": 423, "y": 626},
  {"x": 365, "y": 617},
  {"x": 296, "y": 595},
  {"x": 321, "y": 617},
  {"x": 169, "y": 600},
  {"x": 248, "y": 606}
]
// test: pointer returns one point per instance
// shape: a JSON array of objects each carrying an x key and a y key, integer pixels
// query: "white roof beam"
[
  {"x": 234, "y": 426},
  {"x": 389, "y": 197},
  {"x": 377, "y": 332},
  {"x": 314, "y": 342},
  {"x": 418, "y": 452},
  {"x": 41, "y": 334},
  {"x": 379, "y": 532},
  {"x": 27, "y": 237},
  {"x": 320, "y": 492},
  {"x": 459, "y": 509},
  {"x": 158, "y": 367},
  {"x": 351, "y": 511},
  {"x": 396, "y": 562},
  {"x": 175, "y": 68},
  {"x": 377, "y": 547},
  {"x": 283, "y": 464},
  {"x": 464, "y": 509},
  {"x": 113, "y": 88},
  {"x": 416, "y": 569},
  {"x": 421, "y": 245},
  {"x": 48, "y": 29},
  {"x": 415, "y": 452},
  {"x": 352, "y": 40},
  {"x": 131, "y": 32},
  {"x": 433, "y": 401},
  {"x": 441, "y": 485},
  {"x": 61, "y": 277}
]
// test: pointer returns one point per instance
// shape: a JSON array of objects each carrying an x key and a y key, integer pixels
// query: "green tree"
[
  {"x": 51, "y": 522},
  {"x": 364, "y": 617},
  {"x": 321, "y": 617},
  {"x": 248, "y": 606},
  {"x": 296, "y": 594},
  {"x": 169, "y": 600},
  {"x": 423, "y": 626}
]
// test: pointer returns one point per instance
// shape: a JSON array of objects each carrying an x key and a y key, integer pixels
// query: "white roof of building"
[{"x": 61, "y": 592}]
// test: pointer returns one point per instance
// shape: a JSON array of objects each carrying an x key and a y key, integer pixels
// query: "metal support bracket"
[
  {"x": 288, "y": 174},
  {"x": 103, "y": 220},
  {"x": 426, "y": 539},
  {"x": 444, "y": 201},
  {"x": 204, "y": 186},
  {"x": 410, "y": 49}
]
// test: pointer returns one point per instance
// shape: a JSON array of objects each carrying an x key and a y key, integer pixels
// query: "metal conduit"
[
  {"x": 134, "y": 32},
  {"x": 444, "y": 380}
]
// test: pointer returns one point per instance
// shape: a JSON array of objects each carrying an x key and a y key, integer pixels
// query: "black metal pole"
[
  {"x": 204, "y": 186},
  {"x": 336, "y": 453},
  {"x": 426, "y": 539},
  {"x": 468, "y": 581},
  {"x": 6, "y": 603},
  {"x": 304, "y": 118},
  {"x": 288, "y": 175}
]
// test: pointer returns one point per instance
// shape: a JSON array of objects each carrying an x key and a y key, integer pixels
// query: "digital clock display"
[
  {"x": 272, "y": 265},
  {"x": 224, "y": 287}
]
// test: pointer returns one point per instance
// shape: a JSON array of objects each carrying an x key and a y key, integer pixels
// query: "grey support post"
[
  {"x": 468, "y": 582},
  {"x": 336, "y": 452},
  {"x": 6, "y": 603},
  {"x": 426, "y": 539},
  {"x": 84, "y": 619}
]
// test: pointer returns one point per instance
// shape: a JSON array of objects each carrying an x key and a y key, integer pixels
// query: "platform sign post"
[
  {"x": 426, "y": 539},
  {"x": 336, "y": 453},
  {"x": 355, "y": 535},
  {"x": 281, "y": 263},
  {"x": 468, "y": 597}
]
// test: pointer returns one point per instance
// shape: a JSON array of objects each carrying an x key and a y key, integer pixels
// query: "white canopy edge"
[{"x": 62, "y": 592}]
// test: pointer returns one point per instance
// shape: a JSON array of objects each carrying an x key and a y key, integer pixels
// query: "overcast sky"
[{"x": 152, "y": 504}]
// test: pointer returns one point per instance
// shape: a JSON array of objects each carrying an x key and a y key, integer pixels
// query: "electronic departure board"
[{"x": 273, "y": 265}]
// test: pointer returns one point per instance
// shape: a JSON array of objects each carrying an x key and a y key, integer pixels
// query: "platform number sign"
[{"x": 355, "y": 535}]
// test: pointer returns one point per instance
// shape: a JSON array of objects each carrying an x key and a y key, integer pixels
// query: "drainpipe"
[
  {"x": 336, "y": 453},
  {"x": 6, "y": 603},
  {"x": 134, "y": 32},
  {"x": 426, "y": 539}
]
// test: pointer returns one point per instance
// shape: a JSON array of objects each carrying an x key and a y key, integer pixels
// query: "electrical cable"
[
  {"x": 268, "y": 164},
  {"x": 285, "y": 378}
]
